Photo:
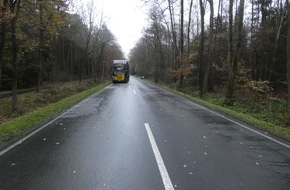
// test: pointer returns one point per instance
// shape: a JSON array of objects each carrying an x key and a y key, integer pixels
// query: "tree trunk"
[
  {"x": 158, "y": 53},
  {"x": 40, "y": 45},
  {"x": 220, "y": 14},
  {"x": 63, "y": 54},
  {"x": 252, "y": 55},
  {"x": 188, "y": 28},
  {"x": 288, "y": 57},
  {"x": 208, "y": 62},
  {"x": 231, "y": 84},
  {"x": 240, "y": 21},
  {"x": 71, "y": 61},
  {"x": 14, "y": 49},
  {"x": 181, "y": 76},
  {"x": 174, "y": 38},
  {"x": 233, "y": 66},
  {"x": 2, "y": 39},
  {"x": 276, "y": 42},
  {"x": 100, "y": 61},
  {"x": 201, "y": 48}
]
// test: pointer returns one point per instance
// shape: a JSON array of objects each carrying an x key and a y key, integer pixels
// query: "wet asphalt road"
[{"x": 136, "y": 136}]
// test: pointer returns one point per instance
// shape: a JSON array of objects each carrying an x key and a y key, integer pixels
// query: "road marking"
[
  {"x": 134, "y": 91},
  {"x": 31, "y": 134},
  {"x": 39, "y": 129},
  {"x": 162, "y": 169},
  {"x": 244, "y": 126},
  {"x": 240, "y": 124}
]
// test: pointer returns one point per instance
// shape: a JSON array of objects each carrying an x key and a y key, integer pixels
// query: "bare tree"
[
  {"x": 106, "y": 39},
  {"x": 189, "y": 25},
  {"x": 173, "y": 31},
  {"x": 288, "y": 56},
  {"x": 230, "y": 89},
  {"x": 277, "y": 37},
  {"x": 3, "y": 30},
  {"x": 14, "y": 9},
  {"x": 181, "y": 76},
  {"x": 233, "y": 55},
  {"x": 201, "y": 45},
  {"x": 154, "y": 37},
  {"x": 239, "y": 32},
  {"x": 91, "y": 43},
  {"x": 208, "y": 62},
  {"x": 40, "y": 44}
]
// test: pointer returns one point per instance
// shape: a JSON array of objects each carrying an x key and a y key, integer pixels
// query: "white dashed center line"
[{"x": 162, "y": 169}]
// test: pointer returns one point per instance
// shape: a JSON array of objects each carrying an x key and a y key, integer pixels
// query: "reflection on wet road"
[{"x": 138, "y": 136}]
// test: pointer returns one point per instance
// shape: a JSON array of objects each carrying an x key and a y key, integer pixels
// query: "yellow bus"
[{"x": 120, "y": 71}]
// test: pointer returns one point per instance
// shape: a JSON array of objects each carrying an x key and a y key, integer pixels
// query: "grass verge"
[
  {"x": 19, "y": 126},
  {"x": 280, "y": 131}
]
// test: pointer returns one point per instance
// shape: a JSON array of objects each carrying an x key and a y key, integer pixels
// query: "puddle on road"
[
  {"x": 213, "y": 119},
  {"x": 254, "y": 138}
]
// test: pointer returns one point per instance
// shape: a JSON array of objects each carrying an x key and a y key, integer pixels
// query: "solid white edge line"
[
  {"x": 134, "y": 91},
  {"x": 30, "y": 134},
  {"x": 162, "y": 169},
  {"x": 2, "y": 152},
  {"x": 244, "y": 126}
]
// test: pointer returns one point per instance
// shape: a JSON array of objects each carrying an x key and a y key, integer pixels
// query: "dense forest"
[
  {"x": 45, "y": 41},
  {"x": 237, "y": 48}
]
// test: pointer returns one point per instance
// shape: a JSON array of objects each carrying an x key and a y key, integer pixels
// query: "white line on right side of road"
[
  {"x": 244, "y": 126},
  {"x": 134, "y": 91},
  {"x": 162, "y": 169}
]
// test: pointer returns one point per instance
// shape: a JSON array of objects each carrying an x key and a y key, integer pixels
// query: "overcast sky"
[{"x": 126, "y": 20}]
